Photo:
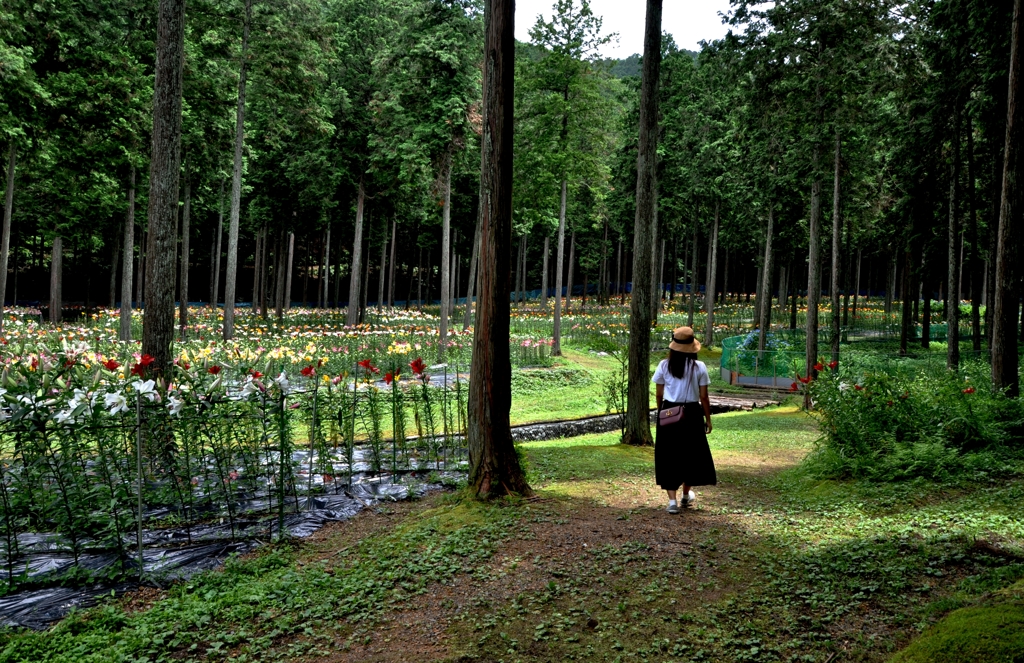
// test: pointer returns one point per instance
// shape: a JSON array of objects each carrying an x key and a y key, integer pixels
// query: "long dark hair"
[{"x": 680, "y": 363}]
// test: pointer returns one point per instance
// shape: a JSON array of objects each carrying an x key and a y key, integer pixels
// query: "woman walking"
[{"x": 682, "y": 456}]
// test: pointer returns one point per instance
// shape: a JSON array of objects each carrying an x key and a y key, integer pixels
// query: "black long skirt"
[{"x": 681, "y": 451}]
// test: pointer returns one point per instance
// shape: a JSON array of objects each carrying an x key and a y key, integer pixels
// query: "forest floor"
[{"x": 769, "y": 565}]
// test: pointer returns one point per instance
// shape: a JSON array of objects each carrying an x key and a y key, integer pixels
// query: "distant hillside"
[{"x": 631, "y": 65}]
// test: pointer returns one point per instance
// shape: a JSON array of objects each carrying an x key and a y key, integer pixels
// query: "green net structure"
[{"x": 783, "y": 359}]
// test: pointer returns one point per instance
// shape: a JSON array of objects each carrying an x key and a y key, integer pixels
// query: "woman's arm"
[
  {"x": 660, "y": 393},
  {"x": 706, "y": 402}
]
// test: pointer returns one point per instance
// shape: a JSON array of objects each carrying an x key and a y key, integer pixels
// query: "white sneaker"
[{"x": 689, "y": 499}]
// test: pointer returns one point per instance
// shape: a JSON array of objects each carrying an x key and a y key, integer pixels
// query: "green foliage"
[{"x": 893, "y": 426}]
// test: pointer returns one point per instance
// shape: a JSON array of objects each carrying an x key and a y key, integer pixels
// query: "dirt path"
[{"x": 565, "y": 533}]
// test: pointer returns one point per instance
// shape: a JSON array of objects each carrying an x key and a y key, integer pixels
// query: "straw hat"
[{"x": 683, "y": 340}]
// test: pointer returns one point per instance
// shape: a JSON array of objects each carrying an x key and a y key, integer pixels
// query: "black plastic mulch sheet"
[{"x": 167, "y": 554}]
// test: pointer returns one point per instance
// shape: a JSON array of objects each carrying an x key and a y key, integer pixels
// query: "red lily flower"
[
  {"x": 389, "y": 378},
  {"x": 833, "y": 364},
  {"x": 111, "y": 365},
  {"x": 138, "y": 369},
  {"x": 146, "y": 360},
  {"x": 819, "y": 366},
  {"x": 365, "y": 363},
  {"x": 858, "y": 387},
  {"x": 969, "y": 390},
  {"x": 794, "y": 387},
  {"x": 418, "y": 366},
  {"x": 214, "y": 370},
  {"x": 308, "y": 371},
  {"x": 255, "y": 374}
]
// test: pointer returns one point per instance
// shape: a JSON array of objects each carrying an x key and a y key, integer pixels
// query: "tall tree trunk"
[
  {"x": 652, "y": 279},
  {"x": 526, "y": 253},
  {"x": 723, "y": 295},
  {"x": 544, "y": 275},
  {"x": 694, "y": 286},
  {"x": 419, "y": 282},
  {"x": 220, "y": 235},
  {"x": 383, "y": 271},
  {"x": 5, "y": 240},
  {"x": 211, "y": 299},
  {"x": 619, "y": 272},
  {"x": 603, "y": 289},
  {"x": 115, "y": 256},
  {"x": 456, "y": 267},
  {"x": 637, "y": 424},
  {"x": 890, "y": 280},
  {"x": 56, "y": 273},
  {"x": 1005, "y": 316},
  {"x": 660, "y": 293},
  {"x": 127, "y": 265},
  {"x": 837, "y": 234},
  {"x": 926, "y": 313},
  {"x": 556, "y": 346},
  {"x": 231, "y": 277},
  {"x": 366, "y": 284},
  {"x": 164, "y": 170},
  {"x": 973, "y": 261},
  {"x": 305, "y": 272},
  {"x": 264, "y": 274},
  {"x": 474, "y": 264},
  {"x": 570, "y": 272},
  {"x": 257, "y": 268},
  {"x": 338, "y": 277},
  {"x": 847, "y": 274},
  {"x": 391, "y": 271},
  {"x": 764, "y": 295},
  {"x": 795, "y": 288},
  {"x": 326, "y": 278},
  {"x": 856, "y": 290},
  {"x": 517, "y": 293},
  {"x": 446, "y": 250},
  {"x": 906, "y": 309},
  {"x": 992, "y": 248},
  {"x": 953, "y": 281},
  {"x": 783, "y": 289},
  {"x": 352, "y": 315},
  {"x": 183, "y": 287},
  {"x": 493, "y": 463},
  {"x": 280, "y": 260},
  {"x": 813, "y": 266},
  {"x": 709, "y": 334},
  {"x": 287, "y": 303}
]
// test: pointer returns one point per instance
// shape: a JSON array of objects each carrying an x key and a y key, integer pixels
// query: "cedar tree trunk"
[
  {"x": 164, "y": 170},
  {"x": 231, "y": 275},
  {"x": 494, "y": 467},
  {"x": 637, "y": 425},
  {"x": 1004, "y": 318}
]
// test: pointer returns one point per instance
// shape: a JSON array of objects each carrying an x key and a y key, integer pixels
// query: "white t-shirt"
[{"x": 685, "y": 389}]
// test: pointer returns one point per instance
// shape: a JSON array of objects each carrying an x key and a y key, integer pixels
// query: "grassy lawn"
[
  {"x": 573, "y": 386},
  {"x": 768, "y": 566}
]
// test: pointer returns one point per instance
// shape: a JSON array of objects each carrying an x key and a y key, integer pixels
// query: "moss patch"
[{"x": 990, "y": 634}]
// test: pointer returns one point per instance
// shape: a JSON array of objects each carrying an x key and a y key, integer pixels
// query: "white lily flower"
[
  {"x": 146, "y": 389},
  {"x": 65, "y": 416},
  {"x": 282, "y": 382},
  {"x": 174, "y": 405},
  {"x": 116, "y": 402},
  {"x": 249, "y": 388}
]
